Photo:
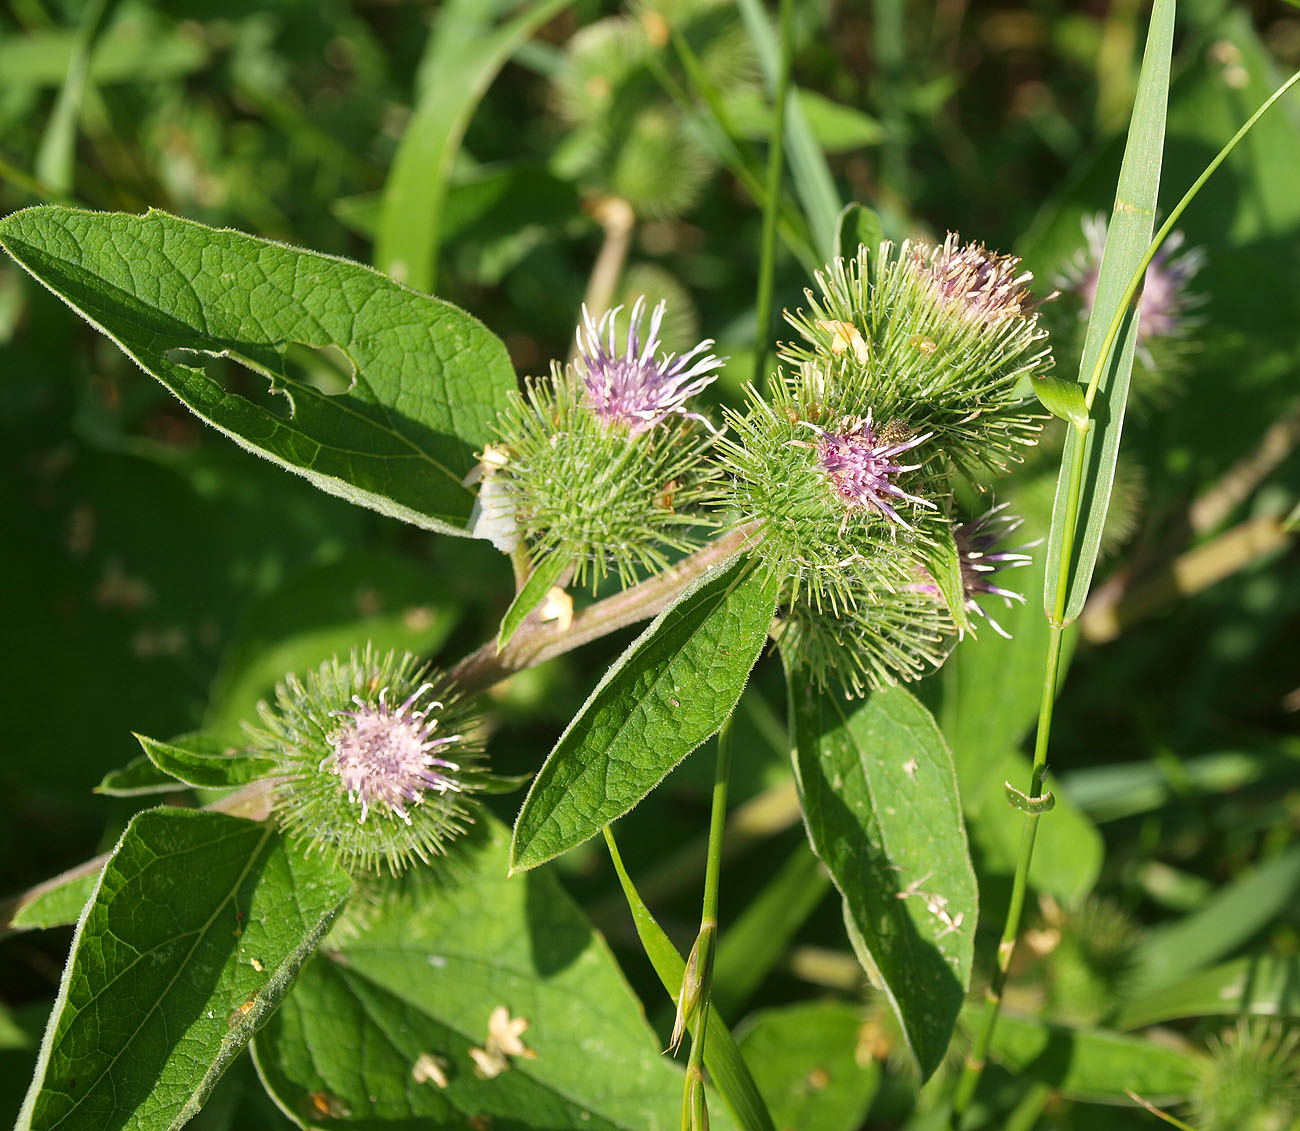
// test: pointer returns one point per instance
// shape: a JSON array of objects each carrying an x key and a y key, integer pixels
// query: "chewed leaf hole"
[
  {"x": 240, "y": 376},
  {"x": 327, "y": 369}
]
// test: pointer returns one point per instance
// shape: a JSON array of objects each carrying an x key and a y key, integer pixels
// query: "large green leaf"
[
  {"x": 805, "y": 1058},
  {"x": 1093, "y": 1064},
  {"x": 1131, "y": 224},
  {"x": 352, "y": 1043},
  {"x": 429, "y": 379},
  {"x": 671, "y": 690},
  {"x": 464, "y": 54},
  {"x": 880, "y": 803},
  {"x": 1264, "y": 984},
  {"x": 198, "y": 925}
]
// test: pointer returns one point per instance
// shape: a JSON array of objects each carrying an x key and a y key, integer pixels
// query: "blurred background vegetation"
[{"x": 157, "y": 579}]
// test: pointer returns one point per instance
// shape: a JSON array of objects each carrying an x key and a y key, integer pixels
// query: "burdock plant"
[{"x": 908, "y": 377}]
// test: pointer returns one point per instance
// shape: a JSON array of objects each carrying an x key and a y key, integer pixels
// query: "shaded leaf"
[
  {"x": 429, "y": 379},
  {"x": 1236, "y": 912},
  {"x": 422, "y": 979},
  {"x": 880, "y": 804},
  {"x": 670, "y": 691},
  {"x": 544, "y": 575},
  {"x": 464, "y": 54},
  {"x": 198, "y": 924},
  {"x": 806, "y": 1058},
  {"x": 858, "y": 226},
  {"x": 1264, "y": 984},
  {"x": 1092, "y": 1064},
  {"x": 200, "y": 760}
]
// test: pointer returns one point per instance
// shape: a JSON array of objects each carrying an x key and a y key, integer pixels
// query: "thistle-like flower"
[
  {"x": 1165, "y": 302},
  {"x": 635, "y": 388},
  {"x": 980, "y": 559},
  {"x": 385, "y": 755},
  {"x": 362, "y": 749},
  {"x": 861, "y": 465},
  {"x": 594, "y": 470},
  {"x": 987, "y": 286}
]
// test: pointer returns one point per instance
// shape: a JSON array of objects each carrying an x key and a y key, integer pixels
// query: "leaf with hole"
[{"x": 174, "y": 295}]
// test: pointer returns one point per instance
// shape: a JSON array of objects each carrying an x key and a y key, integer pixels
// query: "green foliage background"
[{"x": 158, "y": 580}]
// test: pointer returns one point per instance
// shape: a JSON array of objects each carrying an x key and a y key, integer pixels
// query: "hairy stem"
[{"x": 536, "y": 642}]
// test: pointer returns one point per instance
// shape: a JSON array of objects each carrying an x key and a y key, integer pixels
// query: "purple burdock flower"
[
  {"x": 635, "y": 388},
  {"x": 1165, "y": 301},
  {"x": 979, "y": 559},
  {"x": 385, "y": 754},
  {"x": 861, "y": 463},
  {"x": 985, "y": 285}
]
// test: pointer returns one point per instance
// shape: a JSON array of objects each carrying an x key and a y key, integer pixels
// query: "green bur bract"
[
  {"x": 930, "y": 345},
  {"x": 314, "y": 801},
  {"x": 601, "y": 496}
]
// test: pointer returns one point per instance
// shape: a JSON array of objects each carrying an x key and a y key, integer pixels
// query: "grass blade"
[
  {"x": 812, "y": 176},
  {"x": 1088, "y": 466},
  {"x": 465, "y": 53}
]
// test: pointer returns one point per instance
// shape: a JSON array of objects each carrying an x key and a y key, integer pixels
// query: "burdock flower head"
[
  {"x": 1165, "y": 303},
  {"x": 637, "y": 388},
  {"x": 909, "y": 373},
  {"x": 986, "y": 286},
  {"x": 861, "y": 464},
  {"x": 980, "y": 558},
  {"x": 375, "y": 757},
  {"x": 604, "y": 464}
]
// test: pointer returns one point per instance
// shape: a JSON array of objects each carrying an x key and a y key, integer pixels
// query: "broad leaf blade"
[
  {"x": 429, "y": 379},
  {"x": 880, "y": 804},
  {"x": 1091, "y": 1064},
  {"x": 1128, "y": 236},
  {"x": 202, "y": 761},
  {"x": 422, "y": 980},
  {"x": 670, "y": 691},
  {"x": 198, "y": 925}
]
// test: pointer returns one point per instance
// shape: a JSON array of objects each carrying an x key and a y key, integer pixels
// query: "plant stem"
[
  {"x": 772, "y": 203},
  {"x": 535, "y": 643},
  {"x": 616, "y": 218},
  {"x": 974, "y": 1066},
  {"x": 708, "y": 936}
]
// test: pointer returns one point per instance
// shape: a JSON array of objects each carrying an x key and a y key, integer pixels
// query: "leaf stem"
[
  {"x": 534, "y": 643},
  {"x": 772, "y": 203},
  {"x": 706, "y": 942}
]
